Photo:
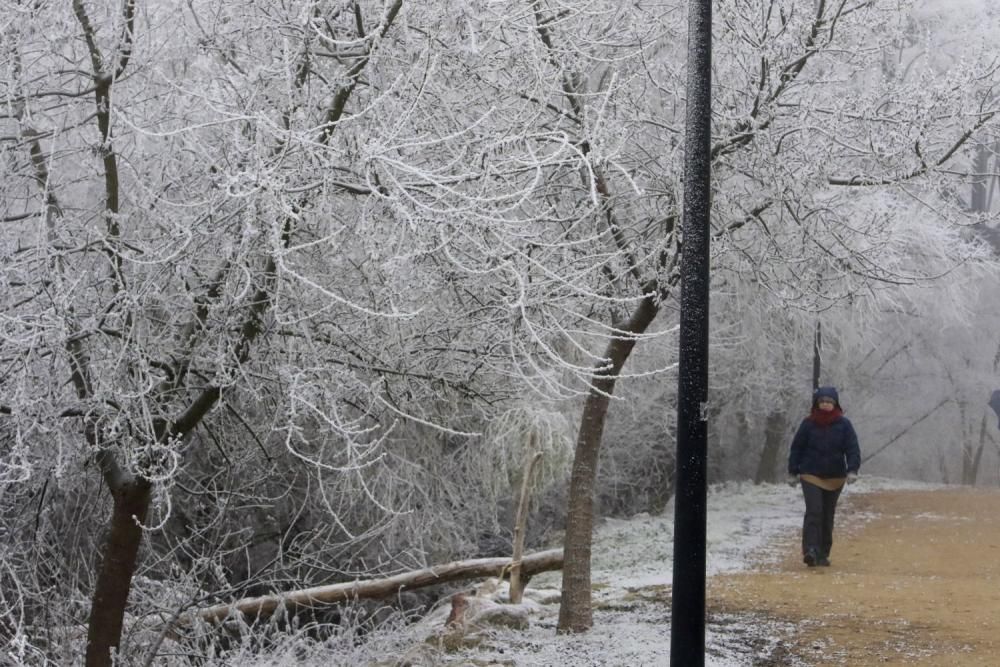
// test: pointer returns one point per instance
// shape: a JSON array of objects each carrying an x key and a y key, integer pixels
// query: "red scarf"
[{"x": 824, "y": 418}]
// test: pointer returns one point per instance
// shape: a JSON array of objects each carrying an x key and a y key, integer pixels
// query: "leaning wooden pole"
[
  {"x": 265, "y": 605},
  {"x": 687, "y": 625},
  {"x": 517, "y": 581}
]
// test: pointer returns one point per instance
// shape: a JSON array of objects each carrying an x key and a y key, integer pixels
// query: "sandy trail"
[{"x": 915, "y": 580}]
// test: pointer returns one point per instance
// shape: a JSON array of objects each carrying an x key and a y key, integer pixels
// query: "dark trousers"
[{"x": 817, "y": 527}]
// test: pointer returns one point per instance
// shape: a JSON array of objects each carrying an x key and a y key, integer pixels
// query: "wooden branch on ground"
[{"x": 258, "y": 607}]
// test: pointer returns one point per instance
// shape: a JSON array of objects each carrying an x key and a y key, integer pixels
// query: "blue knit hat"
[{"x": 826, "y": 392}]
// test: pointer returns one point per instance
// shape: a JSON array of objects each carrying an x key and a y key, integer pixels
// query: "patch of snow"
[
  {"x": 632, "y": 567},
  {"x": 742, "y": 521}
]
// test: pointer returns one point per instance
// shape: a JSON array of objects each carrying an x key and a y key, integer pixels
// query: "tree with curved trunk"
[
  {"x": 575, "y": 610},
  {"x": 339, "y": 241},
  {"x": 780, "y": 196},
  {"x": 144, "y": 372}
]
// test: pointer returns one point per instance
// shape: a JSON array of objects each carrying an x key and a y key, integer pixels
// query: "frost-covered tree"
[
  {"x": 205, "y": 283},
  {"x": 270, "y": 270},
  {"x": 821, "y": 174}
]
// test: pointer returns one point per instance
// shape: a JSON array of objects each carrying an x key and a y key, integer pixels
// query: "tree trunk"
[
  {"x": 743, "y": 442},
  {"x": 119, "y": 555},
  {"x": 979, "y": 452},
  {"x": 967, "y": 454},
  {"x": 575, "y": 614},
  {"x": 718, "y": 457},
  {"x": 972, "y": 457},
  {"x": 980, "y": 180},
  {"x": 971, "y": 454},
  {"x": 774, "y": 437}
]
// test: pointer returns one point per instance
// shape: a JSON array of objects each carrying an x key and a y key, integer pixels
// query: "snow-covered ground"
[
  {"x": 748, "y": 525},
  {"x": 633, "y": 560}
]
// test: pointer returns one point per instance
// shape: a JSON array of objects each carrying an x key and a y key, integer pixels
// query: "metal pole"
[
  {"x": 687, "y": 626},
  {"x": 817, "y": 355}
]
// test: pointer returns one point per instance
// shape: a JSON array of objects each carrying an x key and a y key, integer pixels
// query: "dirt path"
[{"x": 915, "y": 580}]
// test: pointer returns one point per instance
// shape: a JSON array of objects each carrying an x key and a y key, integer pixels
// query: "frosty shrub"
[{"x": 511, "y": 440}]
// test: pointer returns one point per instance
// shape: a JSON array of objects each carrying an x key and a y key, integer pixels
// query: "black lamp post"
[{"x": 687, "y": 626}]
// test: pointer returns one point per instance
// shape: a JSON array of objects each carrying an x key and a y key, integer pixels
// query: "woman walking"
[{"x": 824, "y": 455}]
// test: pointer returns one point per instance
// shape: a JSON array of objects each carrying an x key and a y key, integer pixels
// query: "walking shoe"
[
  {"x": 810, "y": 558},
  {"x": 823, "y": 561}
]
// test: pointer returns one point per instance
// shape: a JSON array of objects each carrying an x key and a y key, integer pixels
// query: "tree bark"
[
  {"x": 119, "y": 555},
  {"x": 575, "y": 614},
  {"x": 774, "y": 431},
  {"x": 979, "y": 452},
  {"x": 972, "y": 456},
  {"x": 258, "y": 607}
]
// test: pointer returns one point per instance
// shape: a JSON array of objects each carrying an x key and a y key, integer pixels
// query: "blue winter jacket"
[{"x": 825, "y": 451}]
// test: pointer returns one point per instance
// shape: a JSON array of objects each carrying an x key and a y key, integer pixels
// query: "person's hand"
[
  {"x": 852, "y": 477},
  {"x": 793, "y": 480}
]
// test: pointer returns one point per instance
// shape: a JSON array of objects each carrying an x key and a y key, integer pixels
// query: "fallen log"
[{"x": 258, "y": 607}]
